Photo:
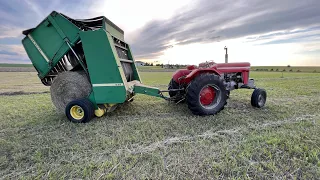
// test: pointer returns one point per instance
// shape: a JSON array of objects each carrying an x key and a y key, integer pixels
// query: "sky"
[{"x": 273, "y": 32}]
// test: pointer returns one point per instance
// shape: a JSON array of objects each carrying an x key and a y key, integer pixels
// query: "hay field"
[
  {"x": 313, "y": 69},
  {"x": 151, "y": 138}
]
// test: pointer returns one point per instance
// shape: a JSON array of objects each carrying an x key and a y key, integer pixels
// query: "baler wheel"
[
  {"x": 206, "y": 95},
  {"x": 80, "y": 111},
  {"x": 258, "y": 98}
]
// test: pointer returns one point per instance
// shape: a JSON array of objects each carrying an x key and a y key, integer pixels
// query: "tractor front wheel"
[
  {"x": 80, "y": 111},
  {"x": 206, "y": 95},
  {"x": 258, "y": 98}
]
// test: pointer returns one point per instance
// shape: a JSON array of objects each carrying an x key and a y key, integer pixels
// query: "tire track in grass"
[
  {"x": 211, "y": 134},
  {"x": 16, "y": 93}
]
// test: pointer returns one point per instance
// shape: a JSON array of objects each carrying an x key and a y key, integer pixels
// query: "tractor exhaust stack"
[{"x": 226, "y": 56}]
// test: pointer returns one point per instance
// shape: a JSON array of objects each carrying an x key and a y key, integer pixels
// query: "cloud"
[
  {"x": 212, "y": 20},
  {"x": 17, "y": 15},
  {"x": 11, "y": 40},
  {"x": 255, "y": 22},
  {"x": 13, "y": 54},
  {"x": 9, "y": 31},
  {"x": 8, "y": 52}
]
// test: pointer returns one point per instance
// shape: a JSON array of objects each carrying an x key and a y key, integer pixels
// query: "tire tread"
[
  {"x": 255, "y": 96},
  {"x": 86, "y": 105},
  {"x": 193, "y": 94}
]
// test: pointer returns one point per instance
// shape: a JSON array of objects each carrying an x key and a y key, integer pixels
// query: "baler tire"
[
  {"x": 196, "y": 87},
  {"x": 258, "y": 98},
  {"x": 86, "y": 107}
]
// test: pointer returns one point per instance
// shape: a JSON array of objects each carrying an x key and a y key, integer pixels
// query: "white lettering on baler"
[
  {"x": 107, "y": 84},
  {"x": 37, "y": 46}
]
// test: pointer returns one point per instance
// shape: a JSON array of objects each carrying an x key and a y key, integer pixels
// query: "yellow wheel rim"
[{"x": 76, "y": 112}]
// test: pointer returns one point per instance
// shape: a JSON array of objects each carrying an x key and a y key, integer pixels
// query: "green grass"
[
  {"x": 287, "y": 69},
  {"x": 151, "y": 138}
]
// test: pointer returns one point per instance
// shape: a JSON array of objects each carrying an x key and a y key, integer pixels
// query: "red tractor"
[{"x": 206, "y": 88}]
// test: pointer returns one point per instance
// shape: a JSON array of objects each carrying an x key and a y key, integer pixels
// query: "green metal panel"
[
  {"x": 106, "y": 74},
  {"x": 93, "y": 100},
  {"x": 113, "y": 29},
  {"x": 36, "y": 58},
  {"x": 46, "y": 44},
  {"x": 143, "y": 89}
]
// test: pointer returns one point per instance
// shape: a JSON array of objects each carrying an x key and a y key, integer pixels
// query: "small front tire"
[
  {"x": 258, "y": 98},
  {"x": 80, "y": 111}
]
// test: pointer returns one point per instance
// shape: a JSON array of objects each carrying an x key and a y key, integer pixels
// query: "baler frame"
[{"x": 101, "y": 42}]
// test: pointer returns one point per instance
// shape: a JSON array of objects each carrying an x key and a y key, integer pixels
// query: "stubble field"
[{"x": 151, "y": 138}]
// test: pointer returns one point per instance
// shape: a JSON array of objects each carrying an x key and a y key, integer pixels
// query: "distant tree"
[
  {"x": 290, "y": 70},
  {"x": 148, "y": 64},
  {"x": 283, "y": 70},
  {"x": 271, "y": 69},
  {"x": 298, "y": 70},
  {"x": 277, "y": 69},
  {"x": 288, "y": 66}
]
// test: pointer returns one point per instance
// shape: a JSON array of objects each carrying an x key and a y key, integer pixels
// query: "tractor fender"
[
  {"x": 197, "y": 72},
  {"x": 180, "y": 73}
]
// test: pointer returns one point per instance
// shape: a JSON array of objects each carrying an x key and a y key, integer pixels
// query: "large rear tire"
[
  {"x": 173, "y": 85},
  {"x": 178, "y": 95},
  {"x": 206, "y": 95},
  {"x": 69, "y": 86}
]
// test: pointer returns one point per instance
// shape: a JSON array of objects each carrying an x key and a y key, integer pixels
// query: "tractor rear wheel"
[
  {"x": 258, "y": 98},
  {"x": 177, "y": 94},
  {"x": 80, "y": 111},
  {"x": 173, "y": 85},
  {"x": 206, "y": 95}
]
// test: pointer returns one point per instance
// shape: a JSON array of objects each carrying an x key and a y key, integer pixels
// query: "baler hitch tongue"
[
  {"x": 177, "y": 98},
  {"x": 153, "y": 91},
  {"x": 147, "y": 90}
]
